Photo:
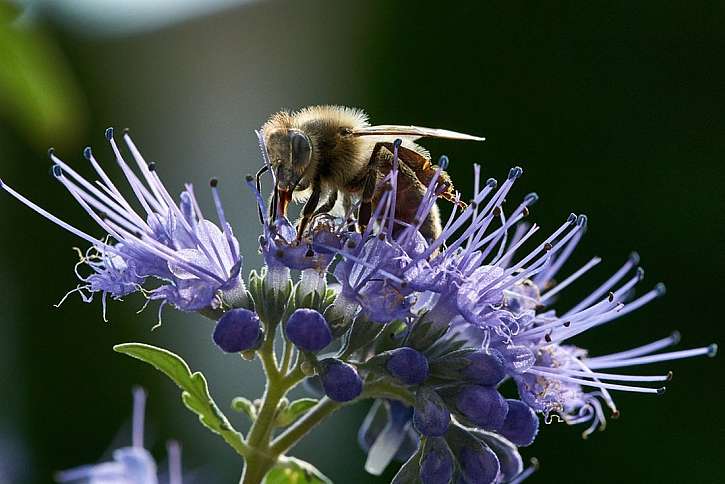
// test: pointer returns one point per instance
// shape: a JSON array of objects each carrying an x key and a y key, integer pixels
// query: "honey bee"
[{"x": 324, "y": 152}]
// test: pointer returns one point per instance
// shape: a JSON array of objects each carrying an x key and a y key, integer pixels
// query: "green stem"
[
  {"x": 286, "y": 356},
  {"x": 262, "y": 458},
  {"x": 303, "y": 426}
]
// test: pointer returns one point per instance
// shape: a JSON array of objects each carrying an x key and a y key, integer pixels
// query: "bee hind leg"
[{"x": 366, "y": 202}]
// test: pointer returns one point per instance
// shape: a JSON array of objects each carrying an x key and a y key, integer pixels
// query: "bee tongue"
[{"x": 285, "y": 196}]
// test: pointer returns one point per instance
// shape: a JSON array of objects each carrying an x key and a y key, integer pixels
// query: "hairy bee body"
[{"x": 322, "y": 152}]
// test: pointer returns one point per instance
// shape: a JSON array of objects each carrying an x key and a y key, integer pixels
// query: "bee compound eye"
[{"x": 301, "y": 149}]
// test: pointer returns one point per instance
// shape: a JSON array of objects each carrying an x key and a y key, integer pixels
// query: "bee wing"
[{"x": 411, "y": 133}]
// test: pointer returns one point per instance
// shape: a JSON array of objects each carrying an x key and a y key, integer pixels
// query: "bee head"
[{"x": 290, "y": 152}]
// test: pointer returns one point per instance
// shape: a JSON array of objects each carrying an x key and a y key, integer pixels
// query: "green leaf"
[
  {"x": 241, "y": 404},
  {"x": 295, "y": 471},
  {"x": 294, "y": 411},
  {"x": 195, "y": 392}
]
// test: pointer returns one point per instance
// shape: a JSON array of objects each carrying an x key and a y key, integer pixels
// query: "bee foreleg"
[
  {"x": 259, "y": 189},
  {"x": 309, "y": 207}
]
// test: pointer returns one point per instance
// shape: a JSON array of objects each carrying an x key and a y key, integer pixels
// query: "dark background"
[{"x": 613, "y": 110}]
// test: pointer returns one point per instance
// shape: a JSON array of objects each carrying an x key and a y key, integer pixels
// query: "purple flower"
[
  {"x": 431, "y": 416},
  {"x": 479, "y": 465},
  {"x": 308, "y": 330},
  {"x": 130, "y": 464},
  {"x": 407, "y": 365},
  {"x": 340, "y": 380},
  {"x": 196, "y": 262},
  {"x": 436, "y": 463},
  {"x": 484, "y": 367},
  {"x": 482, "y": 406},
  {"x": 521, "y": 424},
  {"x": 387, "y": 434},
  {"x": 238, "y": 330},
  {"x": 473, "y": 275}
]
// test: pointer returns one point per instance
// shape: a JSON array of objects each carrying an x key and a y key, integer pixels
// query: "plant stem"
[
  {"x": 299, "y": 429},
  {"x": 262, "y": 458}
]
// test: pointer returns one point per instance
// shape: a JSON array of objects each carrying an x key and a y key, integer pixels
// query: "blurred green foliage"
[{"x": 38, "y": 93}]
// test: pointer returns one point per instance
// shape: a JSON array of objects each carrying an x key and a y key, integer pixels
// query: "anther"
[
  {"x": 572, "y": 218},
  {"x": 496, "y": 211},
  {"x": 634, "y": 258},
  {"x": 515, "y": 172},
  {"x": 531, "y": 198},
  {"x": 582, "y": 221},
  {"x": 262, "y": 240},
  {"x": 56, "y": 171},
  {"x": 214, "y": 182},
  {"x": 547, "y": 337},
  {"x": 640, "y": 273},
  {"x": 309, "y": 253},
  {"x": 712, "y": 350},
  {"x": 661, "y": 390},
  {"x": 669, "y": 375},
  {"x": 610, "y": 296},
  {"x": 397, "y": 143},
  {"x": 109, "y": 134},
  {"x": 443, "y": 162},
  {"x": 660, "y": 289},
  {"x": 525, "y": 211},
  {"x": 675, "y": 336},
  {"x": 51, "y": 152},
  {"x": 615, "y": 415},
  {"x": 491, "y": 182},
  {"x": 152, "y": 166},
  {"x": 249, "y": 178},
  {"x": 87, "y": 153},
  {"x": 547, "y": 247}
]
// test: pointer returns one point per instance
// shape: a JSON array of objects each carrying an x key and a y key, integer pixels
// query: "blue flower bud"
[
  {"x": 430, "y": 414},
  {"x": 308, "y": 330},
  {"x": 436, "y": 463},
  {"x": 482, "y": 406},
  {"x": 407, "y": 365},
  {"x": 484, "y": 368},
  {"x": 521, "y": 424},
  {"x": 238, "y": 330},
  {"x": 340, "y": 380},
  {"x": 479, "y": 465}
]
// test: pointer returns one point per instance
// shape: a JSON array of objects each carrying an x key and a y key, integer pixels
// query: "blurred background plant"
[{"x": 613, "y": 110}]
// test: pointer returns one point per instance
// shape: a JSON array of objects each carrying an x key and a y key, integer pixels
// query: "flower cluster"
[
  {"x": 431, "y": 330},
  {"x": 196, "y": 264}
]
